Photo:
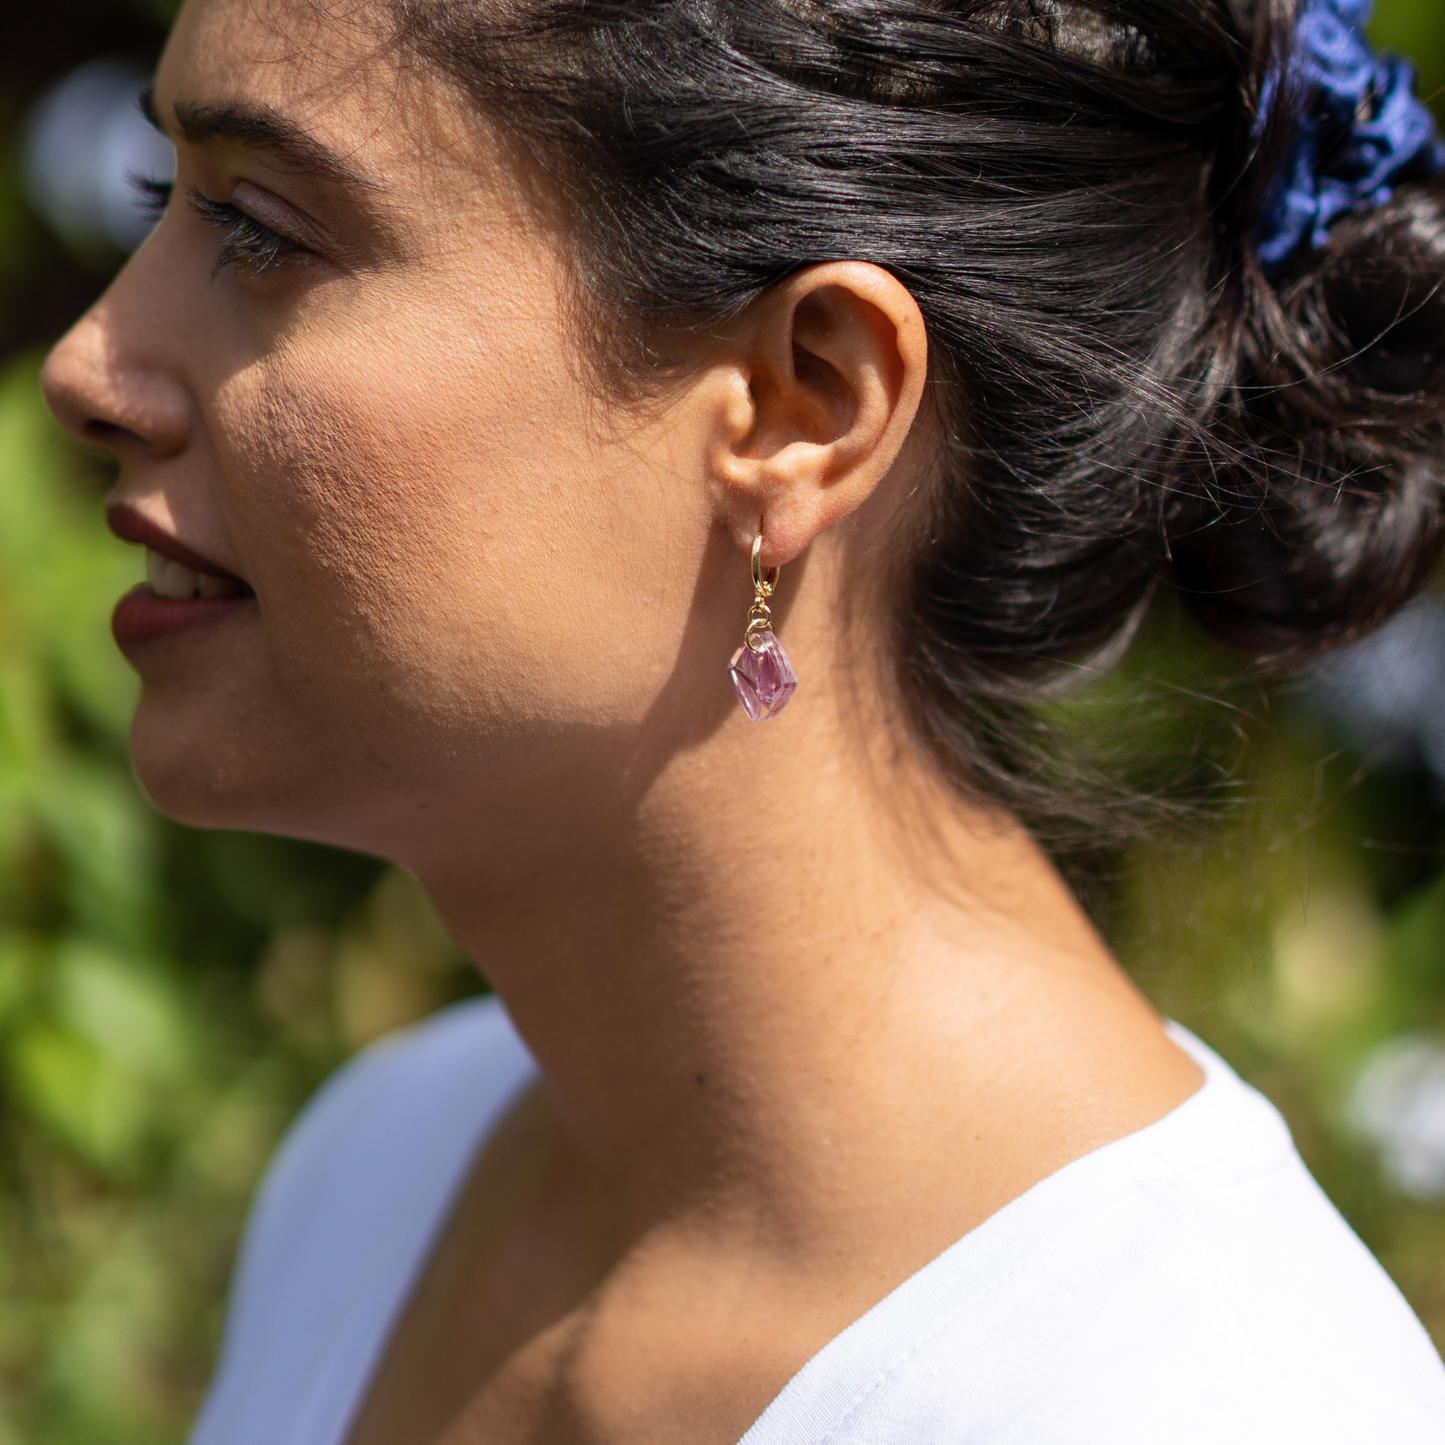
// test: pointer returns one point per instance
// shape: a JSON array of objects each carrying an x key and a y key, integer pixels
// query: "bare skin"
[{"x": 803, "y": 1017}]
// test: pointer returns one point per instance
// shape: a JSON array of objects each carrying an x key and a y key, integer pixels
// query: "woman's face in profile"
[{"x": 342, "y": 371}]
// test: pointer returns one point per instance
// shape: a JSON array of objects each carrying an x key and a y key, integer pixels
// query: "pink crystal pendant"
[{"x": 763, "y": 680}]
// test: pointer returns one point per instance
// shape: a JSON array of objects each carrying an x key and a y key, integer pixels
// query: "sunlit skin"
[{"x": 804, "y": 1017}]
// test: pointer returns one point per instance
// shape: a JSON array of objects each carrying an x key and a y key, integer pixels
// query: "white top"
[{"x": 1188, "y": 1283}]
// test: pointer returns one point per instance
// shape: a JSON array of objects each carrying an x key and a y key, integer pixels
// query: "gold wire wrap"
[{"x": 760, "y": 616}]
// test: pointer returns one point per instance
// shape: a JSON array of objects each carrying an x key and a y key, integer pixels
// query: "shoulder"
[
  {"x": 345, "y": 1214},
  {"x": 1213, "y": 1291},
  {"x": 1211, "y": 1302},
  {"x": 1190, "y": 1283},
  {"x": 1288, "y": 1293}
]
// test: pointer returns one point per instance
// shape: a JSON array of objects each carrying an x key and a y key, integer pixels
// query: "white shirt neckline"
[
  {"x": 843, "y": 1371},
  {"x": 1186, "y": 1282}
]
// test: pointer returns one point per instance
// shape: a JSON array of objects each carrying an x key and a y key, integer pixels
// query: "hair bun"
[
  {"x": 1378, "y": 288},
  {"x": 1317, "y": 507}
]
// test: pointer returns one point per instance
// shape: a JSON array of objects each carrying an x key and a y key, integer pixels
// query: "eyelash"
[
  {"x": 154, "y": 196},
  {"x": 245, "y": 241}
]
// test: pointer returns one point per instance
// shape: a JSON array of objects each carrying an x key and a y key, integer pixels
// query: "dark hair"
[{"x": 1069, "y": 191}]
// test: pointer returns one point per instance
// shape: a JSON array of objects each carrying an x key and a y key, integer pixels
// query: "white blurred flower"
[
  {"x": 86, "y": 141},
  {"x": 1398, "y": 1102}
]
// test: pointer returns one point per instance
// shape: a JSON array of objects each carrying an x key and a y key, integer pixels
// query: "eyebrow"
[{"x": 257, "y": 126}]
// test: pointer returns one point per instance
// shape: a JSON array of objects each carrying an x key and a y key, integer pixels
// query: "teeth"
[{"x": 182, "y": 584}]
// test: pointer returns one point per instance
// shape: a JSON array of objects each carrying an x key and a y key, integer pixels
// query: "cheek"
[{"x": 437, "y": 544}]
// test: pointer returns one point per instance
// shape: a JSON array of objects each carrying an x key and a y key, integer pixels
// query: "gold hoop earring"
[{"x": 760, "y": 672}]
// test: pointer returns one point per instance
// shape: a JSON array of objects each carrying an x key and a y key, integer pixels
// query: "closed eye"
[{"x": 245, "y": 241}]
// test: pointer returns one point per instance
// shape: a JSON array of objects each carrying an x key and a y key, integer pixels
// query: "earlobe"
[{"x": 836, "y": 358}]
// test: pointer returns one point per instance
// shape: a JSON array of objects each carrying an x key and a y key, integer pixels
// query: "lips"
[{"x": 183, "y": 590}]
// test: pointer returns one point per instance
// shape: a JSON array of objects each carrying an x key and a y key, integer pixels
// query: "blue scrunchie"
[{"x": 1361, "y": 129}]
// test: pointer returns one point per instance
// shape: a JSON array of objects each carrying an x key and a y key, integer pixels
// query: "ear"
[{"x": 827, "y": 374}]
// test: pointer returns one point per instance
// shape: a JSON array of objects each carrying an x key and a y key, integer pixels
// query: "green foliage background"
[{"x": 169, "y": 999}]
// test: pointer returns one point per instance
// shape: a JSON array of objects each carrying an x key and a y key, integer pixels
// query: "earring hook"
[{"x": 763, "y": 582}]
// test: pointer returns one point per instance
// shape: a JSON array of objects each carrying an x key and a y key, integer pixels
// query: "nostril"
[{"x": 106, "y": 400}]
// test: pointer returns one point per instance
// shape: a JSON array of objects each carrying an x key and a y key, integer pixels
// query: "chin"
[
  {"x": 238, "y": 769},
  {"x": 199, "y": 791},
  {"x": 215, "y": 772}
]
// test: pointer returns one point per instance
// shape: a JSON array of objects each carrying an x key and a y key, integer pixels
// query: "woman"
[{"x": 487, "y": 365}]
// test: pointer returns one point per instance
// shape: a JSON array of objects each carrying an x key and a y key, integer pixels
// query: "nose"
[{"x": 106, "y": 384}]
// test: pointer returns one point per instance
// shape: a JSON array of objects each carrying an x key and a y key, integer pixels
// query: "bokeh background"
[{"x": 168, "y": 999}]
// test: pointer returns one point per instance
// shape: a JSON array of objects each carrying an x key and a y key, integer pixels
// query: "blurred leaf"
[
  {"x": 105, "y": 836},
  {"x": 95, "y": 1106},
  {"x": 123, "y": 1007}
]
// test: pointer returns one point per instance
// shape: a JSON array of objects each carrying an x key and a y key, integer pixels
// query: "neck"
[{"x": 790, "y": 952}]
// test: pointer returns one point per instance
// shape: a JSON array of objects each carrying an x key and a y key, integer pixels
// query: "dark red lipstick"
[{"x": 187, "y": 591}]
